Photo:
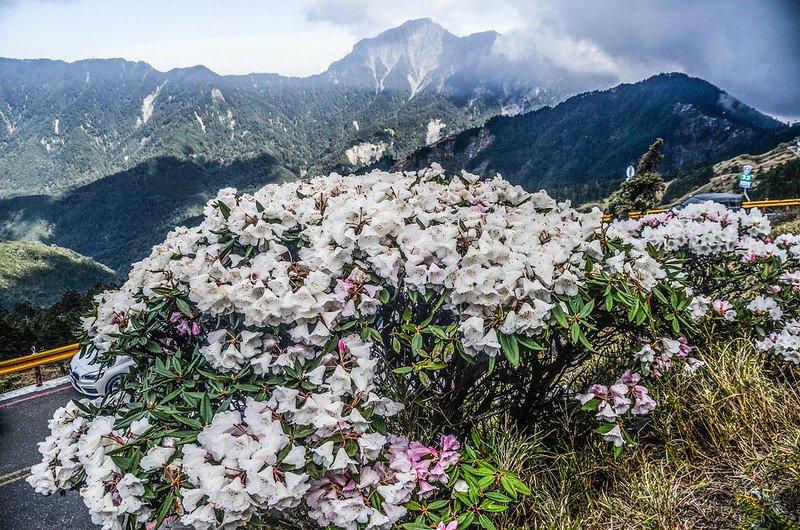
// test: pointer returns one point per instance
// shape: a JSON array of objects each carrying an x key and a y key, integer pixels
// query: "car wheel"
[{"x": 113, "y": 383}]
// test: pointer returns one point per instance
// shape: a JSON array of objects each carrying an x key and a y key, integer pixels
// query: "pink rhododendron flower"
[
  {"x": 644, "y": 403},
  {"x": 183, "y": 327},
  {"x": 595, "y": 391},
  {"x": 724, "y": 309}
]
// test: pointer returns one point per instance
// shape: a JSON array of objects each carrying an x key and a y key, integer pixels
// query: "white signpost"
[{"x": 746, "y": 179}]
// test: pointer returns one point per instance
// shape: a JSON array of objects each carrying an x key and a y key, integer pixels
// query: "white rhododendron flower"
[{"x": 763, "y": 305}]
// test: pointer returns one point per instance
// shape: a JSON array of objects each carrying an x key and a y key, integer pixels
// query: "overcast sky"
[{"x": 751, "y": 48}]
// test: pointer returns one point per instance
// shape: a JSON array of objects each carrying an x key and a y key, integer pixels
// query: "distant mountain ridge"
[
  {"x": 66, "y": 124},
  {"x": 593, "y": 137}
]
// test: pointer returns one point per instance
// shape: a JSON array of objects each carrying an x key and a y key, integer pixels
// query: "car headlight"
[{"x": 89, "y": 378}]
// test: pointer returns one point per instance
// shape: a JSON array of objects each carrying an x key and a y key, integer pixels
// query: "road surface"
[{"x": 23, "y": 424}]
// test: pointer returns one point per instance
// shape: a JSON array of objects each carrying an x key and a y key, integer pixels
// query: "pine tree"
[{"x": 642, "y": 191}]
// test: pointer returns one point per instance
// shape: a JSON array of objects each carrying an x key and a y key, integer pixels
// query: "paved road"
[{"x": 23, "y": 423}]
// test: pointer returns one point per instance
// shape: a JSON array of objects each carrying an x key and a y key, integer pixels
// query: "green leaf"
[
  {"x": 605, "y": 428},
  {"x": 205, "y": 409},
  {"x": 402, "y": 370},
  {"x": 191, "y": 422},
  {"x": 424, "y": 379},
  {"x": 498, "y": 497},
  {"x": 122, "y": 462},
  {"x": 660, "y": 296},
  {"x": 379, "y": 424},
  {"x": 518, "y": 485},
  {"x": 486, "y": 523},
  {"x": 529, "y": 343},
  {"x": 384, "y": 296},
  {"x": 153, "y": 347},
  {"x": 574, "y": 333},
  {"x": 560, "y": 317},
  {"x": 508, "y": 486},
  {"x": 166, "y": 506},
  {"x": 510, "y": 348},
  {"x": 416, "y": 343},
  {"x": 183, "y": 307},
  {"x": 485, "y": 482},
  {"x": 224, "y": 209},
  {"x": 465, "y": 520},
  {"x": 585, "y": 342},
  {"x": 438, "y": 331},
  {"x": 438, "y": 504}
]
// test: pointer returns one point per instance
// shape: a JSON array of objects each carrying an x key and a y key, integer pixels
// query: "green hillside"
[
  {"x": 776, "y": 176},
  {"x": 65, "y": 125},
  {"x": 39, "y": 274},
  {"x": 117, "y": 219}
]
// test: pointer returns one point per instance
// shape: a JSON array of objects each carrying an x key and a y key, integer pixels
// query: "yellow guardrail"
[
  {"x": 777, "y": 203},
  {"x": 38, "y": 359},
  {"x": 771, "y": 204}
]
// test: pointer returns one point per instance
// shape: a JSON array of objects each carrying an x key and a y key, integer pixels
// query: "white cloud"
[
  {"x": 306, "y": 53},
  {"x": 366, "y": 18},
  {"x": 749, "y": 48}
]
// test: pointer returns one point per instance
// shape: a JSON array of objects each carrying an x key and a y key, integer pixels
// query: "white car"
[{"x": 90, "y": 380}]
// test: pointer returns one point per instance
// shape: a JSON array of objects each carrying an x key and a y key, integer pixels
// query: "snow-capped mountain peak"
[{"x": 411, "y": 57}]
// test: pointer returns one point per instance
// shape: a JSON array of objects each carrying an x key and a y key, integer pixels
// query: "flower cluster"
[
  {"x": 626, "y": 395},
  {"x": 360, "y": 235},
  {"x": 738, "y": 277},
  {"x": 430, "y": 465},
  {"x": 60, "y": 464},
  {"x": 703, "y": 229},
  {"x": 751, "y": 278},
  {"x": 79, "y": 445},
  {"x": 267, "y": 340}
]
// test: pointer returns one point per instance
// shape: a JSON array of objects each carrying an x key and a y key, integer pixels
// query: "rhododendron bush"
[
  {"x": 744, "y": 282},
  {"x": 318, "y": 352}
]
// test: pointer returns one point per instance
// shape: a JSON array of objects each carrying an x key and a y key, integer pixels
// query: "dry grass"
[
  {"x": 722, "y": 453},
  {"x": 739, "y": 400},
  {"x": 788, "y": 227}
]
